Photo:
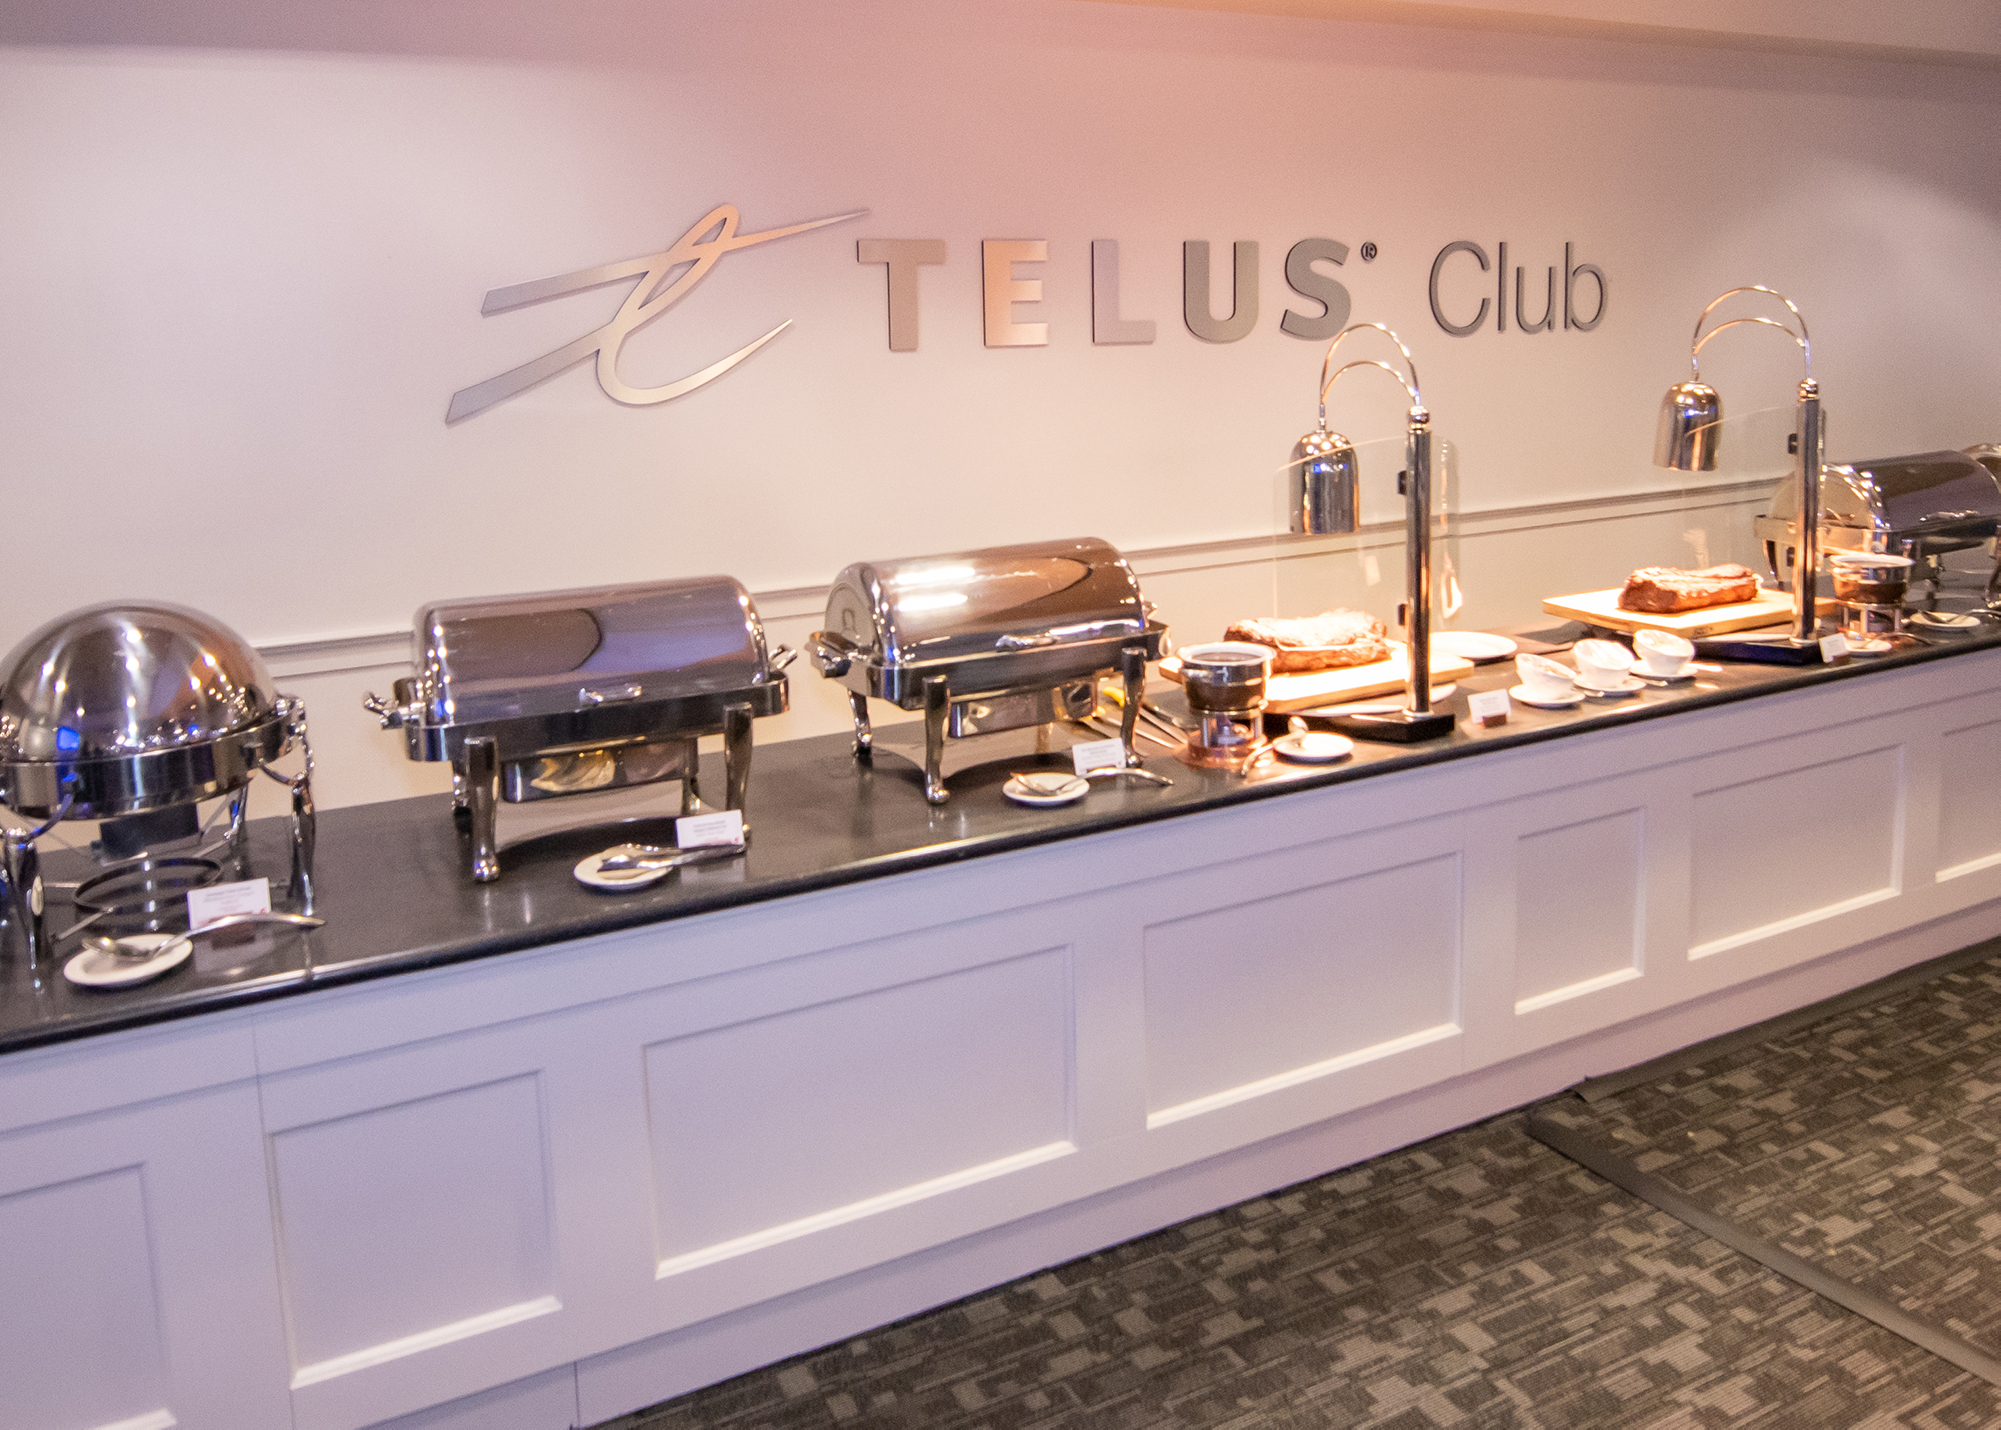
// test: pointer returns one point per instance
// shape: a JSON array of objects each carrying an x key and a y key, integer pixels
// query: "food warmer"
[
  {"x": 1921, "y": 506},
  {"x": 560, "y": 693},
  {"x": 131, "y": 714},
  {"x": 985, "y": 641}
]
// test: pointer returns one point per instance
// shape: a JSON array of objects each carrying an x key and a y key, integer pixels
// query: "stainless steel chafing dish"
[
  {"x": 574, "y": 692},
  {"x": 984, "y": 641},
  {"x": 132, "y": 713},
  {"x": 1921, "y": 506}
]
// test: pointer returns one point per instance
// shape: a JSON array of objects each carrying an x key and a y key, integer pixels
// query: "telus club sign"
[{"x": 1009, "y": 283}]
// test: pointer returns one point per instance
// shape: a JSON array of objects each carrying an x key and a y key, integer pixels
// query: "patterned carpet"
[
  {"x": 1865, "y": 1143},
  {"x": 1480, "y": 1280}
]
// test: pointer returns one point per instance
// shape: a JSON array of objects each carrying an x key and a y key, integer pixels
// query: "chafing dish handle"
[{"x": 831, "y": 655}]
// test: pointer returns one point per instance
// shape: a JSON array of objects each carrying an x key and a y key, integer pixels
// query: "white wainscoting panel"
[
  {"x": 1969, "y": 833},
  {"x": 78, "y": 1267},
  {"x": 1264, "y": 992},
  {"x": 417, "y": 1220},
  {"x": 137, "y": 1285},
  {"x": 786, "y": 1124},
  {"x": 1580, "y": 897},
  {"x": 1749, "y": 880}
]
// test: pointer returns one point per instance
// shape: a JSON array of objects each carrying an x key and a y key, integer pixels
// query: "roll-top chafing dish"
[
  {"x": 1920, "y": 506},
  {"x": 558, "y": 693},
  {"x": 984, "y": 641},
  {"x": 132, "y": 713}
]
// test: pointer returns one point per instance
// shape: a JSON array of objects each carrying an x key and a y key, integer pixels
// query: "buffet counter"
[{"x": 899, "y": 1052}]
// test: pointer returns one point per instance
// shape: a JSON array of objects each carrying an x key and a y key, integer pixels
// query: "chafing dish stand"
[
  {"x": 984, "y": 641},
  {"x": 560, "y": 693}
]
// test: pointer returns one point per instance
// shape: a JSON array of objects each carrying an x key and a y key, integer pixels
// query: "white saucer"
[
  {"x": 93, "y": 969},
  {"x": 1640, "y": 672},
  {"x": 588, "y": 873},
  {"x": 1473, "y": 645},
  {"x": 1313, "y": 747},
  {"x": 1070, "y": 793},
  {"x": 1562, "y": 702},
  {"x": 1624, "y": 687}
]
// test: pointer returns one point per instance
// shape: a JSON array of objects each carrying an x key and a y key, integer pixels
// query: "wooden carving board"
[
  {"x": 1601, "y": 608},
  {"x": 1284, "y": 693}
]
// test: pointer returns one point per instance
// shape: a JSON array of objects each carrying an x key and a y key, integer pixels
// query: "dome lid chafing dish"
[
  {"x": 553, "y": 693},
  {"x": 988, "y": 640},
  {"x": 1918, "y": 506},
  {"x": 132, "y": 707},
  {"x": 129, "y": 708}
]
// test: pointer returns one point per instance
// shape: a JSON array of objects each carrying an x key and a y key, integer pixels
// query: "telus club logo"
[{"x": 663, "y": 279}]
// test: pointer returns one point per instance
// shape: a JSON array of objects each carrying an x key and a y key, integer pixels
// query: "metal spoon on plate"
[
  {"x": 119, "y": 948},
  {"x": 644, "y": 858}
]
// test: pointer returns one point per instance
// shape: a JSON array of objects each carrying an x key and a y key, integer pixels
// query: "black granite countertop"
[{"x": 393, "y": 891}]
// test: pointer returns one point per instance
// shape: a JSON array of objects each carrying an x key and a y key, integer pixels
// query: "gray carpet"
[
  {"x": 1475, "y": 1280},
  {"x": 1865, "y": 1143}
]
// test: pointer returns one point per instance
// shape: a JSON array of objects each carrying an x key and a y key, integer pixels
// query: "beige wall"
[{"x": 244, "y": 252}]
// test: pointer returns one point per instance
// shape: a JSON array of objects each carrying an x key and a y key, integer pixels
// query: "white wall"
[{"x": 243, "y": 255}]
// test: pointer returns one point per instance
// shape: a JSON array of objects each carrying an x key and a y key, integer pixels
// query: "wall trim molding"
[{"x": 377, "y": 650}]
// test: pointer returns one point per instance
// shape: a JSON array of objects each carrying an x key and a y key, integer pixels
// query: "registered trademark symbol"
[{"x": 1369, "y": 251}]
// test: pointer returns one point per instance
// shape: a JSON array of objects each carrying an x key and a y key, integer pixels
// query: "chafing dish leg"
[
  {"x": 461, "y": 815},
  {"x": 691, "y": 782},
  {"x": 937, "y": 701},
  {"x": 864, "y": 736},
  {"x": 236, "y": 843},
  {"x": 1132, "y": 665},
  {"x": 24, "y": 891},
  {"x": 305, "y": 837},
  {"x": 480, "y": 770},
  {"x": 736, "y": 754}
]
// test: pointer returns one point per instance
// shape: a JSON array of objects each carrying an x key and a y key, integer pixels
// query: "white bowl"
[
  {"x": 1662, "y": 653},
  {"x": 1543, "y": 678},
  {"x": 1602, "y": 665}
]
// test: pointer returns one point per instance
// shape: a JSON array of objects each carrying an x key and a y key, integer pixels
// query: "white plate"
[
  {"x": 1639, "y": 669},
  {"x": 1020, "y": 793},
  {"x": 1313, "y": 747},
  {"x": 1624, "y": 687},
  {"x": 105, "y": 970},
  {"x": 588, "y": 873},
  {"x": 1562, "y": 702},
  {"x": 1473, "y": 645}
]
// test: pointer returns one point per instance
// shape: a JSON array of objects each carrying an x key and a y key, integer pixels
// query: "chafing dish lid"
[
  {"x": 999, "y": 599},
  {"x": 1900, "y": 494},
  {"x": 128, "y": 678},
  {"x": 553, "y": 652}
]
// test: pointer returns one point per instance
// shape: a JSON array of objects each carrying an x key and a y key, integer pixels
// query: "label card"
[
  {"x": 1098, "y": 755},
  {"x": 1833, "y": 647},
  {"x": 1489, "y": 707},
  {"x": 249, "y": 896},
  {"x": 723, "y": 827}
]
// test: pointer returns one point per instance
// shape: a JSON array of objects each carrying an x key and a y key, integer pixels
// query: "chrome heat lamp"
[
  {"x": 1323, "y": 488},
  {"x": 1691, "y": 414}
]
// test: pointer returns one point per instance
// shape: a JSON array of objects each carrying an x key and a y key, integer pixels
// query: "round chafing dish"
[{"x": 124, "y": 709}]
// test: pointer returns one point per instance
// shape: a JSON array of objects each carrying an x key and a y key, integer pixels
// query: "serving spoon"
[
  {"x": 648, "y": 857},
  {"x": 116, "y": 948}
]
